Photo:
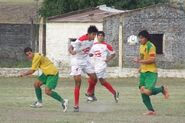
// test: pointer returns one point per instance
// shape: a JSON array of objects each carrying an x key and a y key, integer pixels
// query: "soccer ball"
[{"x": 132, "y": 40}]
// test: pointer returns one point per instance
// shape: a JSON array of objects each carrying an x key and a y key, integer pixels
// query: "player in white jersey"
[
  {"x": 102, "y": 53},
  {"x": 80, "y": 63}
]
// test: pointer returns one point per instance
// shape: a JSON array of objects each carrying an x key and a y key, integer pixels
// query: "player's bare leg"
[
  {"x": 77, "y": 92},
  {"x": 110, "y": 88}
]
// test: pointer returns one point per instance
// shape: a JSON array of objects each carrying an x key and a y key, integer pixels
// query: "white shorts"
[
  {"x": 77, "y": 70},
  {"x": 101, "y": 73}
]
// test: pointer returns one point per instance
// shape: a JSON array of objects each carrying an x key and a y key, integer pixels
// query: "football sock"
[
  {"x": 147, "y": 102},
  {"x": 91, "y": 87},
  {"x": 109, "y": 87},
  {"x": 38, "y": 93},
  {"x": 57, "y": 97},
  {"x": 76, "y": 96},
  {"x": 157, "y": 90}
]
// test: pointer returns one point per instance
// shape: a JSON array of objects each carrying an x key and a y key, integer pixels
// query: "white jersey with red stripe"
[
  {"x": 100, "y": 52},
  {"x": 82, "y": 47}
]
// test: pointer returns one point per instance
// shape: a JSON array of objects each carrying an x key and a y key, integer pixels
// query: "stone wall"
[
  {"x": 13, "y": 39},
  {"x": 111, "y": 28},
  {"x": 160, "y": 19}
]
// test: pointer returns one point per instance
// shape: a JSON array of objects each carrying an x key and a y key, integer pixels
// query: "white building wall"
[{"x": 57, "y": 39}]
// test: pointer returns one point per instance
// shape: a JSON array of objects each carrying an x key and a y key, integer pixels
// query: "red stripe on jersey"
[
  {"x": 109, "y": 47},
  {"x": 84, "y": 38}
]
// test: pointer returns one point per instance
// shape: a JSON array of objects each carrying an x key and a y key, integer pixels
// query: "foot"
[
  {"x": 64, "y": 105},
  {"x": 91, "y": 98},
  {"x": 116, "y": 97},
  {"x": 76, "y": 109},
  {"x": 165, "y": 92},
  {"x": 151, "y": 113},
  {"x": 36, "y": 105}
]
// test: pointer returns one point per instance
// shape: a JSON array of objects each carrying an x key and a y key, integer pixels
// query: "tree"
[{"x": 57, "y": 7}]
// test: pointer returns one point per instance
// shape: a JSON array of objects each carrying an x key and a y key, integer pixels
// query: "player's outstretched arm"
[
  {"x": 29, "y": 72},
  {"x": 110, "y": 57},
  {"x": 71, "y": 50}
]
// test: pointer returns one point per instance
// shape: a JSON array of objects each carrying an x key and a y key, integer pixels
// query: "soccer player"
[
  {"x": 102, "y": 53},
  {"x": 80, "y": 63},
  {"x": 148, "y": 72},
  {"x": 49, "y": 78}
]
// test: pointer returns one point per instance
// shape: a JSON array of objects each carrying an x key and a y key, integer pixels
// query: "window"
[{"x": 157, "y": 40}]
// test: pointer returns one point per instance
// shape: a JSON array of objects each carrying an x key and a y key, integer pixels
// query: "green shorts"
[
  {"x": 148, "y": 79},
  {"x": 49, "y": 80}
]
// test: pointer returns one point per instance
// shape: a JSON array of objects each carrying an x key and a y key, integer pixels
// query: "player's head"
[
  {"x": 100, "y": 36},
  {"x": 92, "y": 31},
  {"x": 144, "y": 36},
  {"x": 28, "y": 52}
]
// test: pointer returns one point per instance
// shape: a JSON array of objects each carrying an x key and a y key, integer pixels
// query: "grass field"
[{"x": 16, "y": 94}]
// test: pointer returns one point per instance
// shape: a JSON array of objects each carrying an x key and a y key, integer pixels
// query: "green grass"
[{"x": 16, "y": 94}]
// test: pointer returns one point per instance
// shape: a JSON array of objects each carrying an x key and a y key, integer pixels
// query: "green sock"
[
  {"x": 38, "y": 93},
  {"x": 155, "y": 91},
  {"x": 147, "y": 102},
  {"x": 57, "y": 97}
]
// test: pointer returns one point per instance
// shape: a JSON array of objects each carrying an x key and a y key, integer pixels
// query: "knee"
[
  {"x": 94, "y": 78},
  {"x": 102, "y": 81},
  {"x": 48, "y": 91},
  {"x": 77, "y": 83},
  {"x": 146, "y": 91},
  {"x": 37, "y": 84}
]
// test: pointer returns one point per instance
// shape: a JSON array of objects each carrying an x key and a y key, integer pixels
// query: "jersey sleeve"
[
  {"x": 110, "y": 49},
  {"x": 76, "y": 45},
  {"x": 36, "y": 62},
  {"x": 152, "y": 52}
]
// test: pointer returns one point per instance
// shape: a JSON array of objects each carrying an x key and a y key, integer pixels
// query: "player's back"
[{"x": 44, "y": 64}]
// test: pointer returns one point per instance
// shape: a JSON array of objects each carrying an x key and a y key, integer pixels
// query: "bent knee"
[
  {"x": 47, "y": 91},
  {"x": 37, "y": 84}
]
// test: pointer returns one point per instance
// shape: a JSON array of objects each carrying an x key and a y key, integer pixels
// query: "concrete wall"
[
  {"x": 112, "y": 72},
  {"x": 57, "y": 39},
  {"x": 160, "y": 19},
  {"x": 13, "y": 39}
]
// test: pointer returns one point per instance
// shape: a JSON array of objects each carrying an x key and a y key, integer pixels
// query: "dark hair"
[
  {"x": 101, "y": 32},
  {"x": 144, "y": 33},
  {"x": 27, "y": 49},
  {"x": 92, "y": 29}
]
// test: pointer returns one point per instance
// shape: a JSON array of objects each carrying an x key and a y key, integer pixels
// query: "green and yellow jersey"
[
  {"x": 147, "y": 51},
  {"x": 42, "y": 62}
]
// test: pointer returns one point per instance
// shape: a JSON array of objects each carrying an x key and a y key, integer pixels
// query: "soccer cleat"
[
  {"x": 116, "y": 97},
  {"x": 91, "y": 98},
  {"x": 64, "y": 105},
  {"x": 76, "y": 109},
  {"x": 165, "y": 92},
  {"x": 36, "y": 105},
  {"x": 150, "y": 113}
]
